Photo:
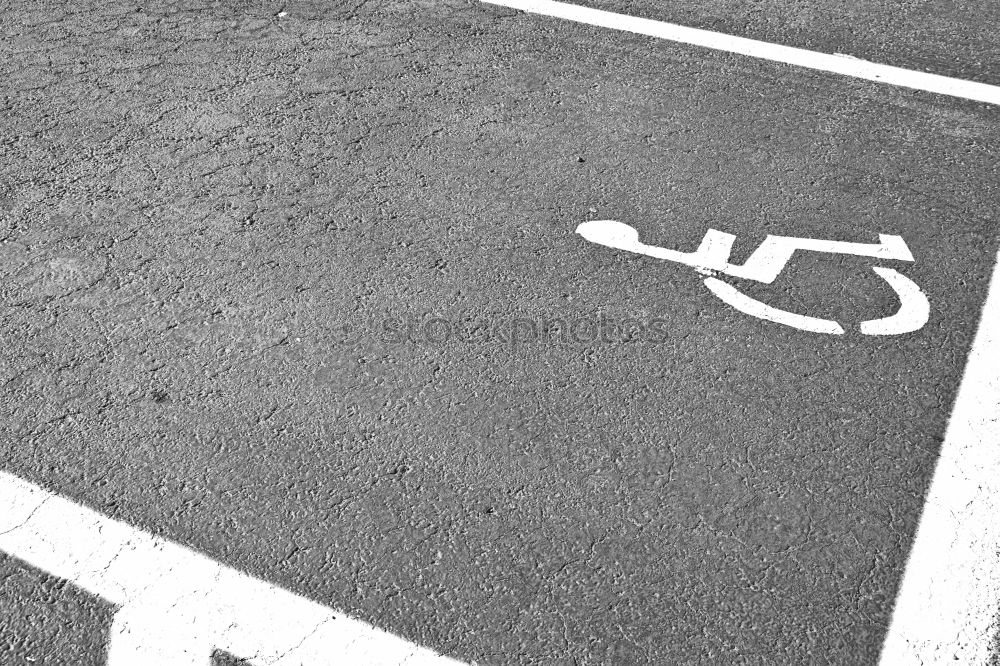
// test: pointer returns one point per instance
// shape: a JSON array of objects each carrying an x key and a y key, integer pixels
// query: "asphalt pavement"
[{"x": 298, "y": 285}]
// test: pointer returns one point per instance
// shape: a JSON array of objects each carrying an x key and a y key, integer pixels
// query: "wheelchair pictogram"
[{"x": 766, "y": 263}]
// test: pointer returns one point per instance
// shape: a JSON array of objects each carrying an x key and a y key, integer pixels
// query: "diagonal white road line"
[
  {"x": 948, "y": 603},
  {"x": 176, "y": 605},
  {"x": 825, "y": 62}
]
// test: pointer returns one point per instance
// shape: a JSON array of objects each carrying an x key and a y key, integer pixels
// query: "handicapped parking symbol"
[{"x": 767, "y": 262}]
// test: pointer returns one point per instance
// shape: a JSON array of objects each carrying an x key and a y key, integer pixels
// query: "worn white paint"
[
  {"x": 949, "y": 601},
  {"x": 767, "y": 262},
  {"x": 755, "y": 308},
  {"x": 826, "y": 62},
  {"x": 914, "y": 309},
  {"x": 774, "y": 253},
  {"x": 711, "y": 255},
  {"x": 177, "y": 605}
]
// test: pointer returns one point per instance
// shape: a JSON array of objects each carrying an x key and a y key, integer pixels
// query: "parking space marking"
[
  {"x": 750, "y": 306},
  {"x": 176, "y": 605},
  {"x": 767, "y": 262},
  {"x": 947, "y": 607},
  {"x": 826, "y": 62}
]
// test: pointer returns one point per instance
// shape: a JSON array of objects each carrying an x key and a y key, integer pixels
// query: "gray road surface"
[{"x": 216, "y": 222}]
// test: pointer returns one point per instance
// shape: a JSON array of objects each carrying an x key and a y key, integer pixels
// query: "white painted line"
[
  {"x": 914, "y": 308},
  {"x": 774, "y": 253},
  {"x": 176, "y": 605},
  {"x": 764, "y": 265},
  {"x": 948, "y": 604},
  {"x": 825, "y": 62},
  {"x": 755, "y": 308},
  {"x": 711, "y": 255}
]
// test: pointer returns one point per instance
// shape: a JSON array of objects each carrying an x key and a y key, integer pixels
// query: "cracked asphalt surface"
[{"x": 216, "y": 222}]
